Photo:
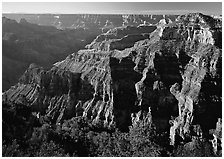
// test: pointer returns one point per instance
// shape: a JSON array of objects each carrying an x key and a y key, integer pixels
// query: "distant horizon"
[
  {"x": 150, "y": 13},
  {"x": 156, "y": 8}
]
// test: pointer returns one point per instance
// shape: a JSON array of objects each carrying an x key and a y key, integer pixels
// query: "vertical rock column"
[{"x": 197, "y": 69}]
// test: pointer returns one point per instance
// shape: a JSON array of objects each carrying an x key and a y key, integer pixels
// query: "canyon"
[
  {"x": 47, "y": 38},
  {"x": 167, "y": 71},
  {"x": 103, "y": 21}
]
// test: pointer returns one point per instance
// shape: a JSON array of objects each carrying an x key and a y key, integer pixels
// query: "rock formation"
[
  {"x": 169, "y": 73},
  {"x": 103, "y": 21},
  {"x": 24, "y": 43}
]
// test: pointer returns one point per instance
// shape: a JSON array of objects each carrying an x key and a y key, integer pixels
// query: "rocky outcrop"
[
  {"x": 52, "y": 92},
  {"x": 201, "y": 74},
  {"x": 168, "y": 74},
  {"x": 191, "y": 98},
  {"x": 195, "y": 27}
]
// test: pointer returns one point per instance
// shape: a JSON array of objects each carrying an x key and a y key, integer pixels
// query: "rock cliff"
[
  {"x": 170, "y": 72},
  {"x": 24, "y": 43}
]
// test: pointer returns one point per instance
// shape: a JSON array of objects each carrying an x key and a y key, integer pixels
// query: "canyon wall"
[
  {"x": 103, "y": 21},
  {"x": 171, "y": 72}
]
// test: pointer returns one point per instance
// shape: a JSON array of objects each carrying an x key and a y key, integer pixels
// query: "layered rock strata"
[
  {"x": 170, "y": 74},
  {"x": 103, "y": 21}
]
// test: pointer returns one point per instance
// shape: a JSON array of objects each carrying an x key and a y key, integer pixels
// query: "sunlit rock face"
[
  {"x": 169, "y": 73},
  {"x": 47, "y": 38},
  {"x": 196, "y": 27},
  {"x": 201, "y": 74}
]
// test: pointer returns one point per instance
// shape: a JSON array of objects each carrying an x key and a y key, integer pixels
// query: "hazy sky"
[{"x": 113, "y": 7}]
